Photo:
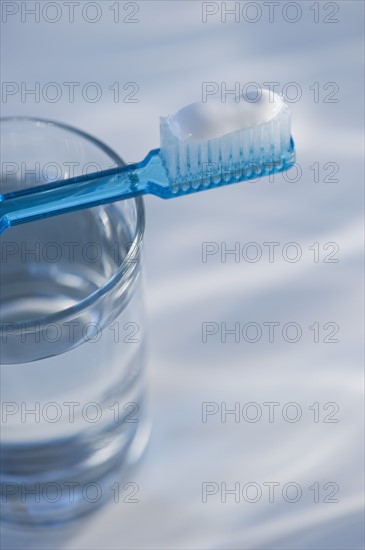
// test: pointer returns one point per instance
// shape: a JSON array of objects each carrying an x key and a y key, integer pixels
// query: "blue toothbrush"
[{"x": 204, "y": 145}]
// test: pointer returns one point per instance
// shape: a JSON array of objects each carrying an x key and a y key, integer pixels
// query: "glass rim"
[{"x": 127, "y": 266}]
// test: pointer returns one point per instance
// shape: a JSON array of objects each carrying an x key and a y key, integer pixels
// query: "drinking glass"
[{"x": 72, "y": 372}]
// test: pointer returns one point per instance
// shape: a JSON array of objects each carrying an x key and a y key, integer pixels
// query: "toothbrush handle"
[
  {"x": 147, "y": 176},
  {"x": 80, "y": 192}
]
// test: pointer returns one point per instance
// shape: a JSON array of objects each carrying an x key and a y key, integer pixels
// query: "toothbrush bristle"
[{"x": 243, "y": 154}]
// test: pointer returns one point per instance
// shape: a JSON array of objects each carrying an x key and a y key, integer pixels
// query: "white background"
[{"x": 169, "y": 53}]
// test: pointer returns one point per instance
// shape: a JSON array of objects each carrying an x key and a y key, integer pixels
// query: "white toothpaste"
[
  {"x": 214, "y": 119},
  {"x": 231, "y": 134}
]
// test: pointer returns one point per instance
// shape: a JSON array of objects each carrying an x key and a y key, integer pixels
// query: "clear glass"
[{"x": 72, "y": 372}]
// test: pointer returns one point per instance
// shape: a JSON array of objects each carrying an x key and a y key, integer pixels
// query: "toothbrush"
[{"x": 204, "y": 145}]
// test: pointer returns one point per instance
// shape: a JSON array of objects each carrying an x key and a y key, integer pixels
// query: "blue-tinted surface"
[{"x": 169, "y": 54}]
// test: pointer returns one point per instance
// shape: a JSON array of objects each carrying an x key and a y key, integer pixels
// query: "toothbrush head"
[
  {"x": 204, "y": 145},
  {"x": 216, "y": 143}
]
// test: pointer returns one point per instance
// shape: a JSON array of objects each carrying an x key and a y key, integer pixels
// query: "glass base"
[{"x": 49, "y": 501}]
